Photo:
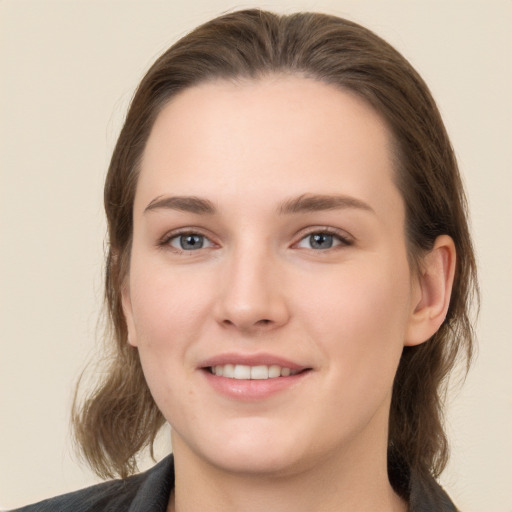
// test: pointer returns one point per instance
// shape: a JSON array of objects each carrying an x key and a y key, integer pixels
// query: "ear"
[
  {"x": 432, "y": 291},
  {"x": 126, "y": 303}
]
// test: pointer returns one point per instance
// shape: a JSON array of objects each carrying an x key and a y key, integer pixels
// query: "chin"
[
  {"x": 255, "y": 462},
  {"x": 249, "y": 451}
]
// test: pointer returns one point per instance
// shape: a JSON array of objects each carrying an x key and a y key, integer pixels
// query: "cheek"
[
  {"x": 359, "y": 319},
  {"x": 169, "y": 312},
  {"x": 166, "y": 305}
]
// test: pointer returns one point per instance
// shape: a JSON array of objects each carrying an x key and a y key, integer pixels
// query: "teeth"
[
  {"x": 244, "y": 372},
  {"x": 228, "y": 370},
  {"x": 274, "y": 371}
]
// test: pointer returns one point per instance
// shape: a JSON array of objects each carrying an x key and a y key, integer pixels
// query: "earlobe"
[
  {"x": 128, "y": 314},
  {"x": 434, "y": 282}
]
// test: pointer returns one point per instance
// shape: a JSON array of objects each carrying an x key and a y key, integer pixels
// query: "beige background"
[{"x": 68, "y": 70}]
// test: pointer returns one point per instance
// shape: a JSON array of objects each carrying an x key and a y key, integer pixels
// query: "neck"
[{"x": 356, "y": 481}]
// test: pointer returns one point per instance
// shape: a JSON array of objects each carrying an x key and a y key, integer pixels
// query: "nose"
[{"x": 251, "y": 295}]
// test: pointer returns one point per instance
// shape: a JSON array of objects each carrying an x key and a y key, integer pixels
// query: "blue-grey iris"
[
  {"x": 191, "y": 242},
  {"x": 321, "y": 241}
]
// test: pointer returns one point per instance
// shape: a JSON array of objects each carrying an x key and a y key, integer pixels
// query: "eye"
[
  {"x": 322, "y": 240},
  {"x": 189, "y": 242}
]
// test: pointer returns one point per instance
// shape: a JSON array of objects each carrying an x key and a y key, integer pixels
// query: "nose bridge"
[{"x": 250, "y": 295}]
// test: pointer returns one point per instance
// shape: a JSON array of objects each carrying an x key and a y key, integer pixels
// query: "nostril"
[{"x": 258, "y": 325}]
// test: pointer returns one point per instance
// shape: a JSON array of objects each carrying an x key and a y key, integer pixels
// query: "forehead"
[{"x": 272, "y": 133}]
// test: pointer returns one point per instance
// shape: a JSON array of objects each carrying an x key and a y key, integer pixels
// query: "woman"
[{"x": 288, "y": 280}]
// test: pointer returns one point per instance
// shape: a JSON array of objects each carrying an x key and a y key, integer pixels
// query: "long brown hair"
[{"x": 119, "y": 417}]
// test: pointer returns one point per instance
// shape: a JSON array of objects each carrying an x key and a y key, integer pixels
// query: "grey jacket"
[{"x": 150, "y": 491}]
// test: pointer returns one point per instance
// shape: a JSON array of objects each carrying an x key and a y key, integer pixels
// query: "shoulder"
[
  {"x": 426, "y": 495},
  {"x": 148, "y": 491}
]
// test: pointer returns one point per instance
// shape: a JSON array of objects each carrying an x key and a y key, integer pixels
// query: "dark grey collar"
[
  {"x": 150, "y": 492},
  {"x": 424, "y": 494}
]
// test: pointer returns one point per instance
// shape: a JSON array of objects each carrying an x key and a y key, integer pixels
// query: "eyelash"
[
  {"x": 165, "y": 242},
  {"x": 344, "y": 241}
]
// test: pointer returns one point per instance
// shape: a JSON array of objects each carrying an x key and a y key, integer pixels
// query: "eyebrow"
[
  {"x": 320, "y": 202},
  {"x": 189, "y": 204},
  {"x": 302, "y": 204}
]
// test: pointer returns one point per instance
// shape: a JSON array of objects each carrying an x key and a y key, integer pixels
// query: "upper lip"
[{"x": 251, "y": 360}]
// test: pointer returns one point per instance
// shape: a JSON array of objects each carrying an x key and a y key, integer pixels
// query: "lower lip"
[{"x": 252, "y": 389}]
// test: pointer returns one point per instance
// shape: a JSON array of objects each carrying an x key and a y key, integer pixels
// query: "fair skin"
[{"x": 269, "y": 234}]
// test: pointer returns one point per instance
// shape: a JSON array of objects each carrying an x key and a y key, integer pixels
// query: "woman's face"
[{"x": 269, "y": 292}]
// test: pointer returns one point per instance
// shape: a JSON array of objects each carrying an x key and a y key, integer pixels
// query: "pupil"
[
  {"x": 191, "y": 242},
  {"x": 321, "y": 241}
]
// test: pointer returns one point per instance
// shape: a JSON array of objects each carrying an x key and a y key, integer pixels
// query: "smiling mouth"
[{"x": 245, "y": 372}]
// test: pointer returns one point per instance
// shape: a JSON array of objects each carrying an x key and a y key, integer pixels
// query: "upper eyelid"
[{"x": 184, "y": 231}]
